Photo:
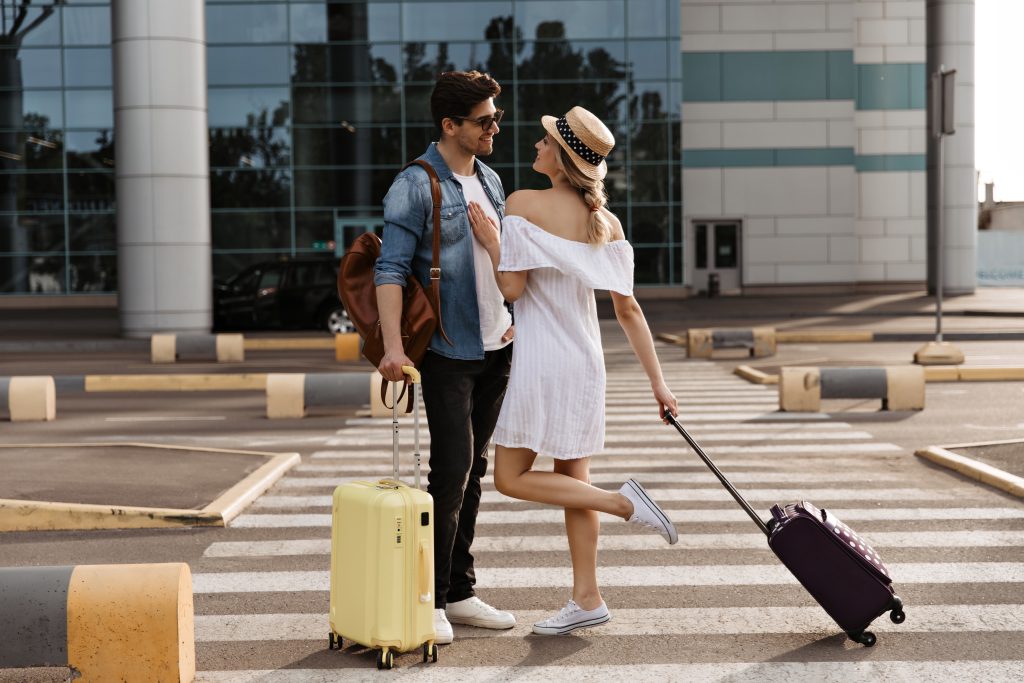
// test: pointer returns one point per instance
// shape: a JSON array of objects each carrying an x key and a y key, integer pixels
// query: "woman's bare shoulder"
[{"x": 516, "y": 204}]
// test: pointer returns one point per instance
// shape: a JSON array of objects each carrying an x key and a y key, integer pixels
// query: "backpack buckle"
[{"x": 435, "y": 273}]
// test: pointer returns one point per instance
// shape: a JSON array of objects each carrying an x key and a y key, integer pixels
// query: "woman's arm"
[
  {"x": 510, "y": 283},
  {"x": 634, "y": 324}
]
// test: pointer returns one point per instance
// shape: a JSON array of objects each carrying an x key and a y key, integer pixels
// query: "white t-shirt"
[{"x": 494, "y": 317}]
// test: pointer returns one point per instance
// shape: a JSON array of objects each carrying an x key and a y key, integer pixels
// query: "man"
[{"x": 464, "y": 380}]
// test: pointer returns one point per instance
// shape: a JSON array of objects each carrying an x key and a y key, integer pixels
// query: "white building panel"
[
  {"x": 843, "y": 249},
  {"x": 909, "y": 226},
  {"x": 884, "y": 141},
  {"x": 703, "y": 191},
  {"x": 918, "y": 248},
  {"x": 906, "y": 271},
  {"x": 814, "y": 40},
  {"x": 918, "y": 34},
  {"x": 702, "y": 135},
  {"x": 774, "y": 17},
  {"x": 699, "y": 18},
  {"x": 902, "y": 118},
  {"x": 775, "y": 191},
  {"x": 841, "y": 133},
  {"x": 883, "y": 32},
  {"x": 774, "y": 134},
  {"x": 868, "y": 10},
  {"x": 842, "y": 194},
  {"x": 728, "y": 111},
  {"x": 814, "y": 225},
  {"x": 862, "y": 228},
  {"x": 868, "y": 54},
  {"x": 905, "y": 54},
  {"x": 840, "y": 16},
  {"x": 884, "y": 195},
  {"x": 759, "y": 227},
  {"x": 884, "y": 249},
  {"x": 918, "y": 194},
  {"x": 758, "y": 274},
  {"x": 912, "y": 9},
  {"x": 788, "y": 273},
  {"x": 729, "y": 42},
  {"x": 787, "y": 249},
  {"x": 838, "y": 110}
]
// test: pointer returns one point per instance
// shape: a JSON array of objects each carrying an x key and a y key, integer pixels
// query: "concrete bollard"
[
  {"x": 900, "y": 388},
  {"x": 29, "y": 399},
  {"x": 703, "y": 342},
  {"x": 222, "y": 348},
  {"x": 377, "y": 408},
  {"x": 130, "y": 622},
  {"x": 289, "y": 395},
  {"x": 347, "y": 346}
]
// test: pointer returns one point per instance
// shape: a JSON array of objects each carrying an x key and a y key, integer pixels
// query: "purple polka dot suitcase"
[{"x": 837, "y": 566}]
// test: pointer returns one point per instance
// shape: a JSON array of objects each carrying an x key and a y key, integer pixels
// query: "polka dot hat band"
[{"x": 585, "y": 138}]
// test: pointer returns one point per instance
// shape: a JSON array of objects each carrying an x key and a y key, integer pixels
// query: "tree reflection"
[{"x": 17, "y": 19}]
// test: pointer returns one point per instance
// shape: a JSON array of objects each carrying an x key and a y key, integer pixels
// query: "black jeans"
[{"x": 462, "y": 399}]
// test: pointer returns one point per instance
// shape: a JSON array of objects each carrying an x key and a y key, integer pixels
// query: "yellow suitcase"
[{"x": 382, "y": 562}]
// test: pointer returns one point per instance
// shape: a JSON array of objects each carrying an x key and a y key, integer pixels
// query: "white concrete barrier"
[
  {"x": 29, "y": 399},
  {"x": 220, "y": 348}
]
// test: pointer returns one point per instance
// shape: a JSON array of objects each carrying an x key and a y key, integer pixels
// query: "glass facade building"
[{"x": 313, "y": 108}]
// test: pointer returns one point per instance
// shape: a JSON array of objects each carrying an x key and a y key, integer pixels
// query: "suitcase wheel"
[
  {"x": 333, "y": 641},
  {"x": 897, "y": 615},
  {"x": 430, "y": 652},
  {"x": 865, "y": 638},
  {"x": 385, "y": 659}
]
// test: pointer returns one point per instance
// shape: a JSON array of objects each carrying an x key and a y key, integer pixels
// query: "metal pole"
[{"x": 939, "y": 256}]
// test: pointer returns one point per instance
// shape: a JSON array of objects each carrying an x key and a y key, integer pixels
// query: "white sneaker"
[
  {"x": 572, "y": 617},
  {"x": 475, "y": 612},
  {"x": 646, "y": 512},
  {"x": 442, "y": 629}
]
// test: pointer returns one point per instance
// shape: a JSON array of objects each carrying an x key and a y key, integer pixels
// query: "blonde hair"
[{"x": 599, "y": 229}]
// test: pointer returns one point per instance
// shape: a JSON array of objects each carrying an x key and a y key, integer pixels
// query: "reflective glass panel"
[
  {"x": 42, "y": 108},
  {"x": 651, "y": 265},
  {"x": 33, "y": 191},
  {"x": 558, "y": 60},
  {"x": 93, "y": 231},
  {"x": 227, "y": 264},
  {"x": 90, "y": 191},
  {"x": 35, "y": 233},
  {"x": 330, "y": 188},
  {"x": 647, "y": 18},
  {"x": 355, "y": 63},
  {"x": 267, "y": 64},
  {"x": 262, "y": 23},
  {"x": 249, "y": 147},
  {"x": 434, "y": 21},
  {"x": 250, "y": 188},
  {"x": 87, "y": 67},
  {"x": 650, "y": 183},
  {"x": 313, "y": 226},
  {"x": 649, "y": 225},
  {"x": 25, "y": 274},
  {"x": 86, "y": 25},
  {"x": 338, "y": 146},
  {"x": 574, "y": 19},
  {"x": 648, "y": 58},
  {"x": 251, "y": 230},
  {"x": 89, "y": 108},
  {"x": 650, "y": 141},
  {"x": 38, "y": 68},
  {"x": 348, "y": 105},
  {"x": 93, "y": 273},
  {"x": 247, "y": 106},
  {"x": 90, "y": 149},
  {"x": 35, "y": 150},
  {"x": 47, "y": 31},
  {"x": 320, "y": 22}
]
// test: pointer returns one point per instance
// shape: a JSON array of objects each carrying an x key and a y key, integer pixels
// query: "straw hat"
[{"x": 585, "y": 138}]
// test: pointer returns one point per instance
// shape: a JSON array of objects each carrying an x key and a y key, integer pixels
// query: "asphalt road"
[{"x": 715, "y": 607}]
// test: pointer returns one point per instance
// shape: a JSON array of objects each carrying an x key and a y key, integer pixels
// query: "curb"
[
  {"x": 204, "y": 382},
  {"x": 969, "y": 467},
  {"x": 934, "y": 373},
  {"x": 28, "y": 515},
  {"x": 290, "y": 344},
  {"x": 863, "y": 336}
]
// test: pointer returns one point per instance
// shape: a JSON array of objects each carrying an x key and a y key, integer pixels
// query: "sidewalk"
[{"x": 992, "y": 312}]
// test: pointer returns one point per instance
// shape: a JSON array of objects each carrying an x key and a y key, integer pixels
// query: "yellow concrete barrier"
[
  {"x": 289, "y": 395},
  {"x": 756, "y": 342},
  {"x": 208, "y": 382},
  {"x": 800, "y": 389},
  {"x": 346, "y": 346},
  {"x": 377, "y": 408},
  {"x": 289, "y": 344},
  {"x": 132, "y": 623},
  {"x": 899, "y": 387},
  {"x": 823, "y": 336},
  {"x": 221, "y": 348},
  {"x": 285, "y": 395},
  {"x": 32, "y": 399}
]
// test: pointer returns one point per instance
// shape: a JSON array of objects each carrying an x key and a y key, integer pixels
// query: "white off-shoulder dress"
[{"x": 554, "y": 403}]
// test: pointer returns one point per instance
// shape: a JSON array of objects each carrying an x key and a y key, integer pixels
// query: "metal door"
[{"x": 716, "y": 249}]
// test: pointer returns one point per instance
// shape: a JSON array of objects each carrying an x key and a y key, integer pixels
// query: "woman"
[{"x": 555, "y": 248}]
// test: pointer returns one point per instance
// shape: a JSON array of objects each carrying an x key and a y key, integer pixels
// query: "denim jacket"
[{"x": 408, "y": 248}]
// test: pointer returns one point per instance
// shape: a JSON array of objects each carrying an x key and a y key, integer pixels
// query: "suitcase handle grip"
[
  {"x": 424, "y": 572},
  {"x": 721, "y": 477}
]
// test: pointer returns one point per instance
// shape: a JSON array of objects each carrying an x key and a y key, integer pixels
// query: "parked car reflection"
[{"x": 294, "y": 293}]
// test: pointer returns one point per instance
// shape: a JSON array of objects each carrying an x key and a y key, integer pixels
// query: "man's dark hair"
[{"x": 457, "y": 92}]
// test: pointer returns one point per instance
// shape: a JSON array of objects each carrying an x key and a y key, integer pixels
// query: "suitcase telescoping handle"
[
  {"x": 414, "y": 378},
  {"x": 721, "y": 477}
]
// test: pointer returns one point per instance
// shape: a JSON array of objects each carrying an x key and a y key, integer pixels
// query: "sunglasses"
[{"x": 485, "y": 122}]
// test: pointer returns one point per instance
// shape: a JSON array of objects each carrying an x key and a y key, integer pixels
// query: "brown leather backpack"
[{"x": 421, "y": 307}]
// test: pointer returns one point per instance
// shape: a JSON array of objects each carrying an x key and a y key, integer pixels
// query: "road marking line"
[
  {"x": 754, "y": 672},
  {"x": 649, "y": 418},
  {"x": 165, "y": 418},
  {"x": 502, "y": 544},
  {"x": 554, "y": 516},
  {"x": 786, "y": 449},
  {"x": 814, "y": 427}
]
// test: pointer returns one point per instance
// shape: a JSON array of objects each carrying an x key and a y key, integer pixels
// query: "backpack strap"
[{"x": 434, "y": 293}]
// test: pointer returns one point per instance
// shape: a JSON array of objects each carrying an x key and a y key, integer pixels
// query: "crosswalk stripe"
[
  {"x": 753, "y": 672},
  {"x": 728, "y": 516},
  {"x": 649, "y": 417},
  {"x": 673, "y": 575},
  {"x": 385, "y": 425},
  {"x": 878, "y": 539},
  {"x": 383, "y": 440},
  {"x": 653, "y": 622},
  {"x": 662, "y": 495},
  {"x": 785, "y": 449},
  {"x": 699, "y": 477}
]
